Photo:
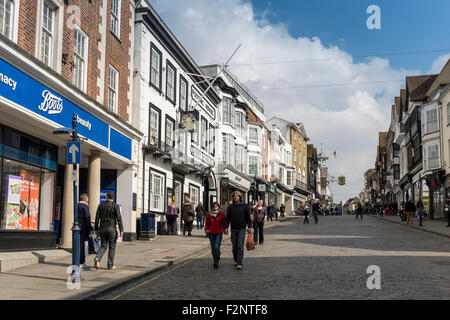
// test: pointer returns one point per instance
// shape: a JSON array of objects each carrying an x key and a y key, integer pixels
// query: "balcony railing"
[
  {"x": 300, "y": 184},
  {"x": 154, "y": 144}
]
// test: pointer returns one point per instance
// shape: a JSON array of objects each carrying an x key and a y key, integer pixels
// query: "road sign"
[{"x": 73, "y": 152}]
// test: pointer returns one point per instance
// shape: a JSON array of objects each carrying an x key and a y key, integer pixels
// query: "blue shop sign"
[{"x": 20, "y": 88}]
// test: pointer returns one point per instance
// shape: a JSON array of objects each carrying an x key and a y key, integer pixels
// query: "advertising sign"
[
  {"x": 29, "y": 200},
  {"x": 13, "y": 184},
  {"x": 188, "y": 121}
]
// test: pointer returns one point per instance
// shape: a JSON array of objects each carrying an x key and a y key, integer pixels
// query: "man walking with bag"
[
  {"x": 238, "y": 215},
  {"x": 84, "y": 220},
  {"x": 108, "y": 216}
]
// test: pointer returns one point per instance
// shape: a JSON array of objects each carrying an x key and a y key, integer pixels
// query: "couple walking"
[{"x": 217, "y": 223}]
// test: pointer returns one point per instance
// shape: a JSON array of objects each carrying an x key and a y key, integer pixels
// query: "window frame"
[
  {"x": 427, "y": 122},
  {"x": 162, "y": 175},
  {"x": 204, "y": 133},
  {"x": 427, "y": 155},
  {"x": 158, "y": 112},
  {"x": 44, "y": 30},
  {"x": 174, "y": 89},
  {"x": 86, "y": 57},
  {"x": 212, "y": 139},
  {"x": 197, "y": 188},
  {"x": 153, "y": 48},
  {"x": 115, "y": 108},
  {"x": 115, "y": 16},
  {"x": 250, "y": 140},
  {"x": 172, "y": 121},
  {"x": 185, "y": 107},
  {"x": 250, "y": 164},
  {"x": 14, "y": 21}
]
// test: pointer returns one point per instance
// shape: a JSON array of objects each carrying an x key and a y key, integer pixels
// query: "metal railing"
[{"x": 154, "y": 142}]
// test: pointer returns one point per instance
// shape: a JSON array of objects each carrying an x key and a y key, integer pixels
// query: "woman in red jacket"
[{"x": 215, "y": 228}]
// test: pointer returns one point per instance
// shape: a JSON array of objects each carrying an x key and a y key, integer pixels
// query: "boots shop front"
[{"x": 36, "y": 190}]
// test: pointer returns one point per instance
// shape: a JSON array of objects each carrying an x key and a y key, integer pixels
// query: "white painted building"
[{"x": 173, "y": 164}]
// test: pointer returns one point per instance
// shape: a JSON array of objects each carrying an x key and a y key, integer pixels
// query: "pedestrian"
[
  {"x": 274, "y": 211},
  {"x": 420, "y": 212},
  {"x": 238, "y": 215},
  {"x": 305, "y": 212},
  {"x": 199, "y": 211},
  {"x": 316, "y": 208},
  {"x": 269, "y": 212},
  {"x": 359, "y": 211},
  {"x": 410, "y": 210},
  {"x": 299, "y": 210},
  {"x": 187, "y": 214},
  {"x": 395, "y": 208},
  {"x": 106, "y": 219},
  {"x": 84, "y": 221},
  {"x": 259, "y": 216},
  {"x": 282, "y": 209},
  {"x": 172, "y": 216},
  {"x": 215, "y": 228}
]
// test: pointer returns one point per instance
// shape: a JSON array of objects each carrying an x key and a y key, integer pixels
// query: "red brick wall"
[
  {"x": 26, "y": 33},
  {"x": 117, "y": 52},
  {"x": 117, "y": 55}
]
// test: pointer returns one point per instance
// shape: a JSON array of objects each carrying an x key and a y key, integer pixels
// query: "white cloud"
[
  {"x": 344, "y": 118},
  {"x": 439, "y": 63}
]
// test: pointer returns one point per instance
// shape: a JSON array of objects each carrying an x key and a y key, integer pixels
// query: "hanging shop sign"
[
  {"x": 341, "y": 180},
  {"x": 197, "y": 97},
  {"x": 261, "y": 187},
  {"x": 29, "y": 93},
  {"x": 188, "y": 121}
]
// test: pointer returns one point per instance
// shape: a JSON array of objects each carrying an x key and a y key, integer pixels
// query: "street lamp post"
[{"x": 75, "y": 227}]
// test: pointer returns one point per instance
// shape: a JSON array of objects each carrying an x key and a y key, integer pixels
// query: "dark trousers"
[
  {"x": 306, "y": 220},
  {"x": 83, "y": 239},
  {"x": 237, "y": 239},
  {"x": 269, "y": 217},
  {"x": 188, "y": 227},
  {"x": 316, "y": 218},
  {"x": 200, "y": 222},
  {"x": 108, "y": 237},
  {"x": 357, "y": 214},
  {"x": 276, "y": 216},
  {"x": 259, "y": 228},
  {"x": 216, "y": 240},
  {"x": 171, "y": 225}
]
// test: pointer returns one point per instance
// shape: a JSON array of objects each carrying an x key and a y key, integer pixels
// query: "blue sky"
[{"x": 406, "y": 25}]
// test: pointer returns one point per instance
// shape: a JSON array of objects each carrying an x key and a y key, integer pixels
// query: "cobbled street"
[{"x": 324, "y": 261}]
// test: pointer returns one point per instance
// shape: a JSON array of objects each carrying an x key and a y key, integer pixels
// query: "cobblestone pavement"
[{"x": 324, "y": 261}]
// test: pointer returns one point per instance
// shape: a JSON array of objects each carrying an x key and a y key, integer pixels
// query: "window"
[
  {"x": 431, "y": 121},
  {"x": 155, "y": 67},
  {"x": 48, "y": 17},
  {"x": 113, "y": 88},
  {"x": 228, "y": 150},
  {"x": 448, "y": 113},
  {"x": 154, "y": 126},
  {"x": 157, "y": 192},
  {"x": 80, "y": 59},
  {"x": 204, "y": 133},
  {"x": 253, "y": 165},
  {"x": 170, "y": 82},
  {"x": 226, "y": 104},
  {"x": 115, "y": 17},
  {"x": 240, "y": 124},
  {"x": 253, "y": 135},
  {"x": 432, "y": 156},
  {"x": 212, "y": 140},
  {"x": 194, "y": 195},
  {"x": 183, "y": 94},
  {"x": 289, "y": 180},
  {"x": 225, "y": 149},
  {"x": 7, "y": 18},
  {"x": 170, "y": 125}
]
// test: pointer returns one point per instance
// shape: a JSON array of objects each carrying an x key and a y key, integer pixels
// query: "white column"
[
  {"x": 67, "y": 210},
  {"x": 93, "y": 187}
]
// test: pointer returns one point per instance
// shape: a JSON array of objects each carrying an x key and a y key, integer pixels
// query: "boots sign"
[{"x": 27, "y": 92}]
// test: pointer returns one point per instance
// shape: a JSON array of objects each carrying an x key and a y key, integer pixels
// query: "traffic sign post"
[{"x": 73, "y": 152}]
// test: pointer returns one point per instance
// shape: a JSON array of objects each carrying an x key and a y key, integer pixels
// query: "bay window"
[
  {"x": 253, "y": 165},
  {"x": 156, "y": 192},
  {"x": 253, "y": 135}
]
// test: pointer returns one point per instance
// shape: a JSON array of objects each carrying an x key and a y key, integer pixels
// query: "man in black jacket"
[
  {"x": 84, "y": 220},
  {"x": 238, "y": 214},
  {"x": 108, "y": 215}
]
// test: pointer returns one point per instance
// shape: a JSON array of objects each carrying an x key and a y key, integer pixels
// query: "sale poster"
[{"x": 29, "y": 200}]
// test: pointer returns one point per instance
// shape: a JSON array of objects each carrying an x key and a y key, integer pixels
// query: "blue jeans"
[
  {"x": 200, "y": 222},
  {"x": 216, "y": 240},
  {"x": 237, "y": 239}
]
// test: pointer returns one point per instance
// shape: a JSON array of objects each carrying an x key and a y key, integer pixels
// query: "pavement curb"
[
  {"x": 116, "y": 284},
  {"x": 413, "y": 227}
]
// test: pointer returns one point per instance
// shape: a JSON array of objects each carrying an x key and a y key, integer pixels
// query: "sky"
[{"x": 318, "y": 63}]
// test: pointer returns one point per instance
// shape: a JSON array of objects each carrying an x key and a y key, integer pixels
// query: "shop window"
[
  {"x": 20, "y": 147},
  {"x": 49, "y": 156},
  {"x": 108, "y": 179},
  {"x": 21, "y": 184},
  {"x": 194, "y": 195}
]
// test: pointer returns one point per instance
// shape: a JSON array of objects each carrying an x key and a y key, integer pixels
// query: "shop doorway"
[{"x": 178, "y": 191}]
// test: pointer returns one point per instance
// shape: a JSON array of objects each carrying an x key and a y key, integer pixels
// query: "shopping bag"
[
  {"x": 94, "y": 244},
  {"x": 250, "y": 244}
]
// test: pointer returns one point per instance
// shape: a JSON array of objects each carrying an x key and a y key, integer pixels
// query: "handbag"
[{"x": 250, "y": 244}]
